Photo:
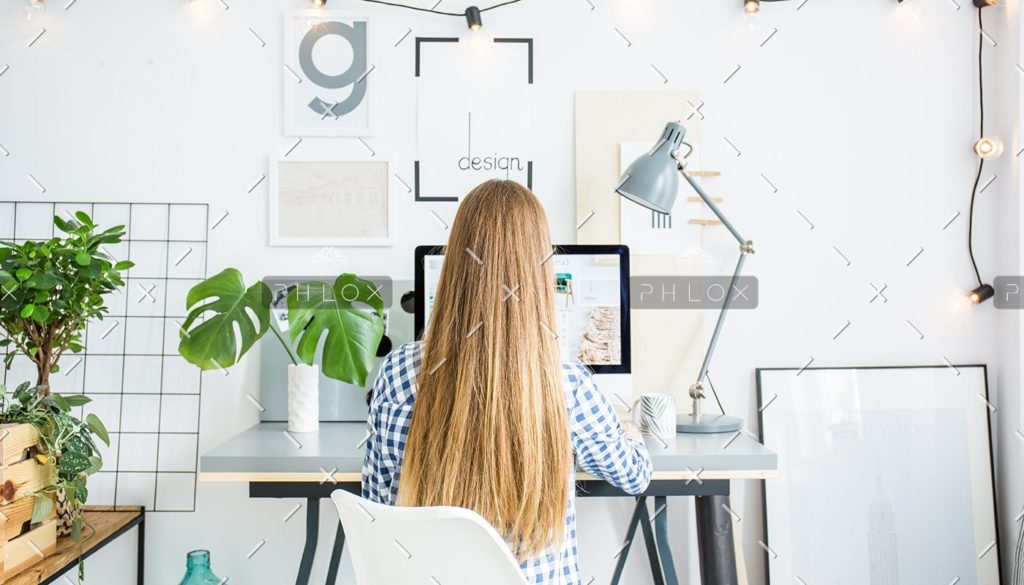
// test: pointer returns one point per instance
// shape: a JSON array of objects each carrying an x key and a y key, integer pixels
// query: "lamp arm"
[
  {"x": 726, "y": 303},
  {"x": 746, "y": 247},
  {"x": 710, "y": 203}
]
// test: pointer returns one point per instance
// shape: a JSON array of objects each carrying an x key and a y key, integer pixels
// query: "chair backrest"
[{"x": 393, "y": 545}]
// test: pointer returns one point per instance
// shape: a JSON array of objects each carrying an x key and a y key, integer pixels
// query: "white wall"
[
  {"x": 861, "y": 114},
  {"x": 1003, "y": 118}
]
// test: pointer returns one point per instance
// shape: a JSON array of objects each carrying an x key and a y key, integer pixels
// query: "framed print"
[
  {"x": 474, "y": 119},
  {"x": 328, "y": 89},
  {"x": 329, "y": 203},
  {"x": 885, "y": 475}
]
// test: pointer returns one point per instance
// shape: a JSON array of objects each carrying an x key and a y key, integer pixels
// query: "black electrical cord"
[
  {"x": 981, "y": 161},
  {"x": 416, "y": 8},
  {"x": 499, "y": 5},
  {"x": 441, "y": 12}
]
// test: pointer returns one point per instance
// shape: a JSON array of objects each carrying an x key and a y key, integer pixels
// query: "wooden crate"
[
  {"x": 17, "y": 443},
  {"x": 28, "y": 549},
  {"x": 21, "y": 476},
  {"x": 23, "y": 479},
  {"x": 15, "y": 518}
]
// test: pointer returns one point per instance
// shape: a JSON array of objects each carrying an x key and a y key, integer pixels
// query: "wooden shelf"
[{"x": 103, "y": 524}]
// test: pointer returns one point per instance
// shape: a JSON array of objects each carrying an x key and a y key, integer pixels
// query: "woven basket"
[{"x": 65, "y": 513}]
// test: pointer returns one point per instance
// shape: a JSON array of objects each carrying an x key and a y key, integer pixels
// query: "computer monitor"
[{"x": 591, "y": 302}]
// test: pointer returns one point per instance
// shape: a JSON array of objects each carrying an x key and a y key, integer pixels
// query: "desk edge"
[{"x": 351, "y": 477}]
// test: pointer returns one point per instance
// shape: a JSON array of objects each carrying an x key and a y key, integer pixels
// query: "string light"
[
  {"x": 981, "y": 294},
  {"x": 754, "y": 6},
  {"x": 466, "y": 13},
  {"x": 985, "y": 147},
  {"x": 33, "y": 7},
  {"x": 473, "y": 20},
  {"x": 988, "y": 147}
]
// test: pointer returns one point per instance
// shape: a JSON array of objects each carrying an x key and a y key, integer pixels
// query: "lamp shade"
[{"x": 653, "y": 179}]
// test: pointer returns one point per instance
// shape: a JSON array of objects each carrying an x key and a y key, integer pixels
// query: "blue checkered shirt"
[{"x": 601, "y": 447}]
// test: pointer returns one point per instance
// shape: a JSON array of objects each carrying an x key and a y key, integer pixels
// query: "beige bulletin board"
[{"x": 668, "y": 345}]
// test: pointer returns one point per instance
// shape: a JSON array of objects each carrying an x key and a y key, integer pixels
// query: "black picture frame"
[{"x": 988, "y": 428}]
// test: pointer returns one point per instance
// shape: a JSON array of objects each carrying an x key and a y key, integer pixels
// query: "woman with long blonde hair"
[{"x": 482, "y": 414}]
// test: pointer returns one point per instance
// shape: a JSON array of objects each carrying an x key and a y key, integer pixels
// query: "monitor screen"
[{"x": 591, "y": 286}]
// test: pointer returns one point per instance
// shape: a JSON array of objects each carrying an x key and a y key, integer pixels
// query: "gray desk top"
[{"x": 265, "y": 452}]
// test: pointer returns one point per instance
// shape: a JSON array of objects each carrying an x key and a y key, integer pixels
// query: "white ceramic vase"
[{"x": 303, "y": 398}]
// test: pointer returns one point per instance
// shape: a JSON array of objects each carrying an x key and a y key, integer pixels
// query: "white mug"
[{"x": 655, "y": 414}]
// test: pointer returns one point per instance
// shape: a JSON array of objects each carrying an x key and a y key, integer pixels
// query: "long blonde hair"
[{"x": 490, "y": 427}]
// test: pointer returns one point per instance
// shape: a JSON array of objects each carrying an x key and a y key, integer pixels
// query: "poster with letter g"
[{"x": 328, "y": 86}]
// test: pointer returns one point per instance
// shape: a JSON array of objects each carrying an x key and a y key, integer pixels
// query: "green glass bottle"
[{"x": 197, "y": 569}]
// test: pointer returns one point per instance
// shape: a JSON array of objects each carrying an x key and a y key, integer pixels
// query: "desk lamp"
[{"x": 653, "y": 182}]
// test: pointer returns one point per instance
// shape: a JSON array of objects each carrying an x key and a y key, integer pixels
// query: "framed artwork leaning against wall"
[{"x": 885, "y": 475}]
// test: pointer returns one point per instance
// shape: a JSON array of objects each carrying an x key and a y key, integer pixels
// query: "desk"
[{"x": 277, "y": 464}]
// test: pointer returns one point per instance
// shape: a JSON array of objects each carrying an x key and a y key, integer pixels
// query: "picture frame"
[
  {"x": 329, "y": 202},
  {"x": 885, "y": 475},
  {"x": 329, "y": 56}
]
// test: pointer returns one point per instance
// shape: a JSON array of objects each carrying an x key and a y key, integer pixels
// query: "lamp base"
[{"x": 708, "y": 423}]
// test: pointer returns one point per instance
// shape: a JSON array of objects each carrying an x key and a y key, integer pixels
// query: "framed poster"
[
  {"x": 328, "y": 86},
  {"x": 329, "y": 203},
  {"x": 474, "y": 115},
  {"x": 885, "y": 475}
]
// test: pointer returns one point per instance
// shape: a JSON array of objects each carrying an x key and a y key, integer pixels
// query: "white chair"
[{"x": 393, "y": 545}]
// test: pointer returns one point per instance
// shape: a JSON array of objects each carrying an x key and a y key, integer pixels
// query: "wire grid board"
[{"x": 147, "y": 395}]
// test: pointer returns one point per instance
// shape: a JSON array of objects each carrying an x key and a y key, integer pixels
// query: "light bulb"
[
  {"x": 988, "y": 147},
  {"x": 33, "y": 8},
  {"x": 981, "y": 294},
  {"x": 319, "y": 3},
  {"x": 473, "y": 19},
  {"x": 752, "y": 6},
  {"x": 984, "y": 3}
]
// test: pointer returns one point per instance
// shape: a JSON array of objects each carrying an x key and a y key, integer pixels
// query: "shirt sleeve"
[
  {"x": 386, "y": 425},
  {"x": 601, "y": 445},
  {"x": 372, "y": 458}
]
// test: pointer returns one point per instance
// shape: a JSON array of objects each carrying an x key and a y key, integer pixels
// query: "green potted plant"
[
  {"x": 346, "y": 318},
  {"x": 50, "y": 290},
  {"x": 68, "y": 448}
]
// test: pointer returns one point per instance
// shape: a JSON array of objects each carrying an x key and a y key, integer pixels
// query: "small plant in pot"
[
  {"x": 49, "y": 291},
  {"x": 68, "y": 447},
  {"x": 346, "y": 319}
]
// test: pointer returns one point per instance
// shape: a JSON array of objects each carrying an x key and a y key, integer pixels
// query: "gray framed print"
[
  {"x": 328, "y": 58},
  {"x": 885, "y": 475},
  {"x": 329, "y": 203}
]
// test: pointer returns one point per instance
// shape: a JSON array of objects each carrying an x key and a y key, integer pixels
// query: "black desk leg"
[
  {"x": 312, "y": 533},
  {"x": 620, "y": 563},
  {"x": 714, "y": 541},
  {"x": 661, "y": 529},
  {"x": 339, "y": 544},
  {"x": 652, "y": 547},
  {"x": 140, "y": 568}
]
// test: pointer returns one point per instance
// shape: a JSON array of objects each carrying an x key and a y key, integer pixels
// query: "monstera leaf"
[
  {"x": 316, "y": 309},
  {"x": 224, "y": 304}
]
